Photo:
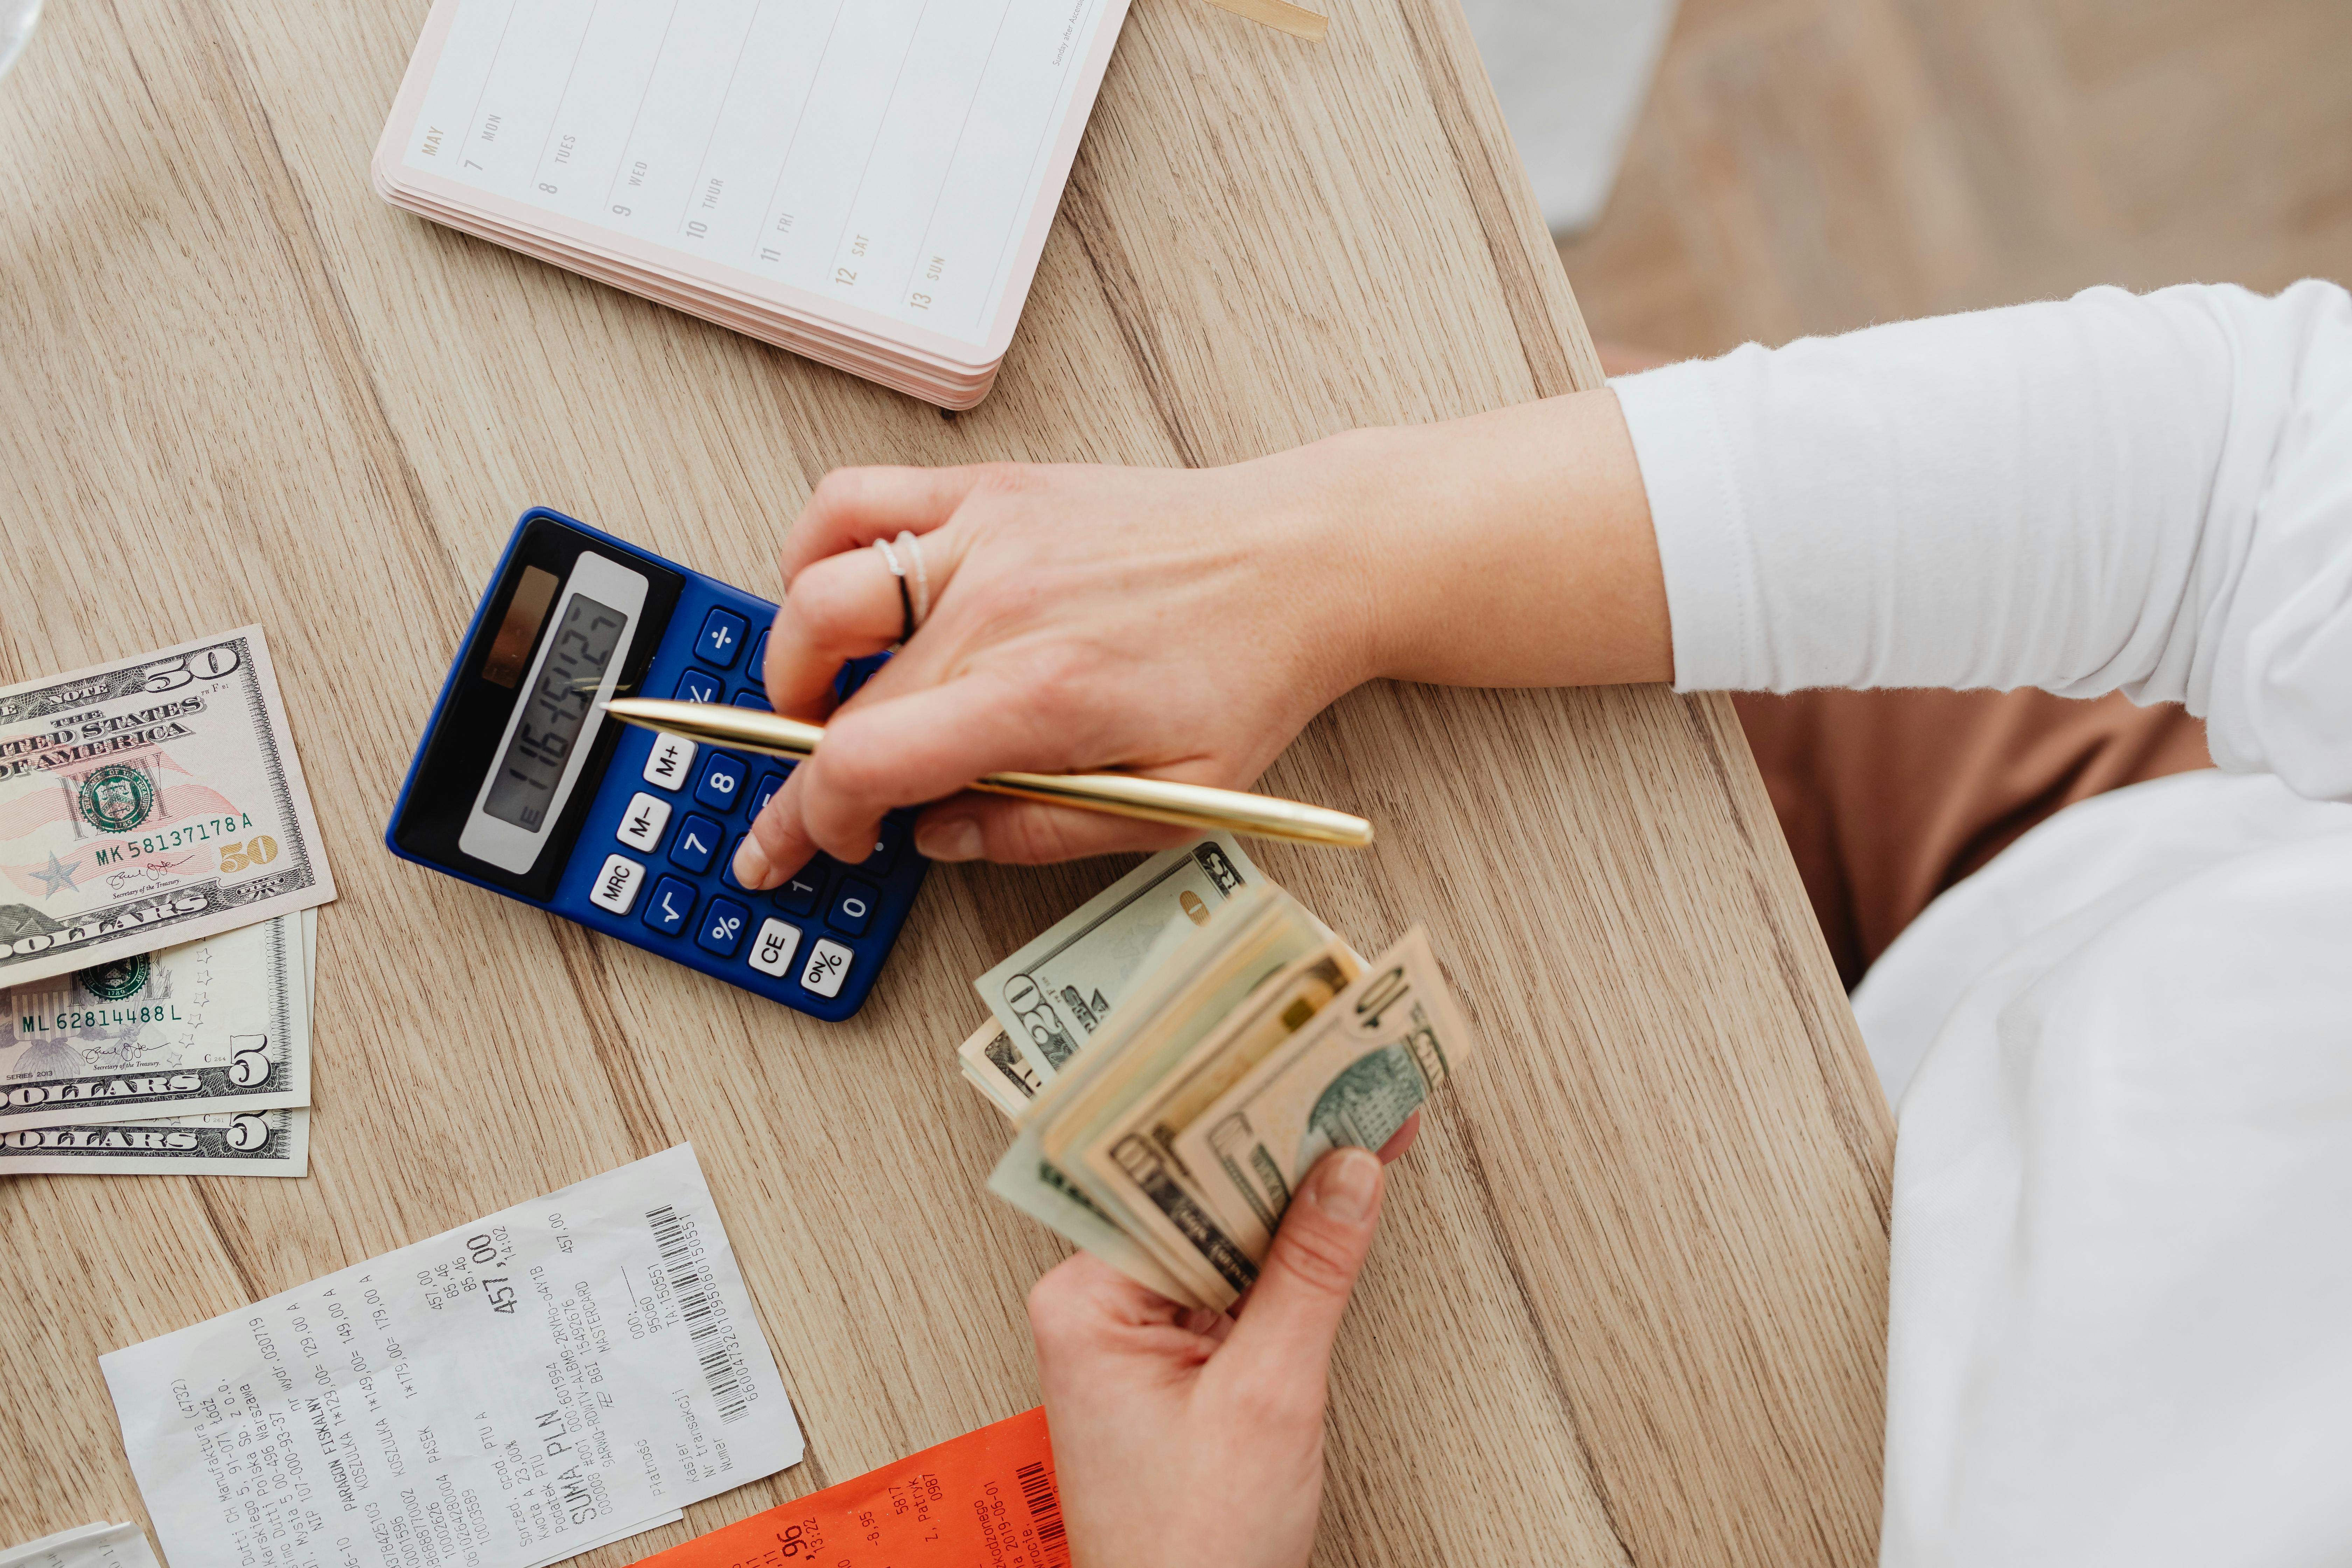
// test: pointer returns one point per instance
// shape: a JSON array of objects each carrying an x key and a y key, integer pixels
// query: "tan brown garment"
[{"x": 1889, "y": 797}]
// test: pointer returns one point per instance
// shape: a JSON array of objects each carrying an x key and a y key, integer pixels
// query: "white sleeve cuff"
[{"x": 1704, "y": 542}]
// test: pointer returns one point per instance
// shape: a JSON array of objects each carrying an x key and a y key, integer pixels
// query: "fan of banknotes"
[
  {"x": 159, "y": 874},
  {"x": 1178, "y": 1053}
]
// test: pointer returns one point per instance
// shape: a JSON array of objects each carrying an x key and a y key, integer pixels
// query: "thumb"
[{"x": 1294, "y": 1309}]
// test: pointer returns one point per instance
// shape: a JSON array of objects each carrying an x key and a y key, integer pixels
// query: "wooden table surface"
[{"x": 1628, "y": 1302}]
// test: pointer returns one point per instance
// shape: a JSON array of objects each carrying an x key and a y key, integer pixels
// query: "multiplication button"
[
  {"x": 618, "y": 884},
  {"x": 671, "y": 760},
  {"x": 827, "y": 968},
  {"x": 772, "y": 949},
  {"x": 642, "y": 823}
]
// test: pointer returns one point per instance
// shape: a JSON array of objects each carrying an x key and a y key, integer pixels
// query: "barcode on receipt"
[{"x": 699, "y": 1307}]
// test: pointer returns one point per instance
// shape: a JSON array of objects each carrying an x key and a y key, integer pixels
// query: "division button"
[
  {"x": 670, "y": 762},
  {"x": 697, "y": 843},
  {"x": 720, "y": 930},
  {"x": 721, "y": 783},
  {"x": 721, "y": 642},
  {"x": 642, "y": 823},
  {"x": 698, "y": 686},
  {"x": 827, "y": 968},
  {"x": 853, "y": 909},
  {"x": 772, "y": 951},
  {"x": 618, "y": 884},
  {"x": 671, "y": 906}
]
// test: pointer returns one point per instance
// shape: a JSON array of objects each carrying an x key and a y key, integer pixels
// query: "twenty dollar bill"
[
  {"x": 147, "y": 802},
  {"x": 1055, "y": 993}
]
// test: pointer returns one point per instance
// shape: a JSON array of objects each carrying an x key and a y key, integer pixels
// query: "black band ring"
[{"x": 906, "y": 611}]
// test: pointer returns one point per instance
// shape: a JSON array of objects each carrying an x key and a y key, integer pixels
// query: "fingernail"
[
  {"x": 752, "y": 867},
  {"x": 958, "y": 838},
  {"x": 1345, "y": 1183}
]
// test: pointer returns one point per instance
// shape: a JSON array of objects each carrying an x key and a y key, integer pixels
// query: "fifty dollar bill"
[{"x": 147, "y": 802}]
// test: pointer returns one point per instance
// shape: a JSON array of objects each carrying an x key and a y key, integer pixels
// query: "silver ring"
[
  {"x": 912, "y": 543},
  {"x": 906, "y": 601}
]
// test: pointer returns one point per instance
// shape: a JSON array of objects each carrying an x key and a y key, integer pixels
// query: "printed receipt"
[{"x": 563, "y": 1373}]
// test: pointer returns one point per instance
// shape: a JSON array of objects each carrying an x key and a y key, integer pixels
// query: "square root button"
[{"x": 827, "y": 968}]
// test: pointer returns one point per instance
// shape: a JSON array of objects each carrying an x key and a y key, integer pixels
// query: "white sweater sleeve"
[{"x": 2145, "y": 493}]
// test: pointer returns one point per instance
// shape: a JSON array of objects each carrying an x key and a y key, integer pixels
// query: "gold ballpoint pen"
[{"x": 1118, "y": 795}]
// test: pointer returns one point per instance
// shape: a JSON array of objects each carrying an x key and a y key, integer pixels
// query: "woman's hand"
[
  {"x": 1186, "y": 623},
  {"x": 1184, "y": 1438}
]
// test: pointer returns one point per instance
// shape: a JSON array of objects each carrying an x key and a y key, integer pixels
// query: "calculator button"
[
  {"x": 671, "y": 761},
  {"x": 721, "y": 783},
  {"x": 853, "y": 909},
  {"x": 765, "y": 790},
  {"x": 799, "y": 895},
  {"x": 886, "y": 847},
  {"x": 827, "y": 968},
  {"x": 696, "y": 686},
  {"x": 752, "y": 700},
  {"x": 697, "y": 844},
  {"x": 727, "y": 866},
  {"x": 642, "y": 823},
  {"x": 720, "y": 930},
  {"x": 757, "y": 668},
  {"x": 772, "y": 949},
  {"x": 671, "y": 906},
  {"x": 618, "y": 884},
  {"x": 721, "y": 642}
]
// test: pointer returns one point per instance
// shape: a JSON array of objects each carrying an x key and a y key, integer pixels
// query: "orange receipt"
[{"x": 985, "y": 1500}]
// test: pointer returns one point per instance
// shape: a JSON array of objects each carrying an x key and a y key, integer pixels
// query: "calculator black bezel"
[{"x": 463, "y": 746}]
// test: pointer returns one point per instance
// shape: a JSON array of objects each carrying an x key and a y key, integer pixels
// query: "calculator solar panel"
[{"x": 522, "y": 786}]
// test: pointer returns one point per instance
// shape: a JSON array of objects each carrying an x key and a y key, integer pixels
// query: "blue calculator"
[{"x": 524, "y": 785}]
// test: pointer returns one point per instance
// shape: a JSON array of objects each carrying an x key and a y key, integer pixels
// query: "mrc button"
[{"x": 618, "y": 884}]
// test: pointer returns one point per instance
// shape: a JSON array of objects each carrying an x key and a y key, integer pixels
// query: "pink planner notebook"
[{"x": 868, "y": 183}]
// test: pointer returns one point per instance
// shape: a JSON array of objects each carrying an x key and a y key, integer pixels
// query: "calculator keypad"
[{"x": 677, "y": 813}]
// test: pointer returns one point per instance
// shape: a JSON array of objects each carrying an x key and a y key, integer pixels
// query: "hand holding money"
[
  {"x": 1180, "y": 1051},
  {"x": 1154, "y": 1409}
]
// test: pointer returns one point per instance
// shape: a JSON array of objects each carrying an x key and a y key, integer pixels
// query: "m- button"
[
  {"x": 671, "y": 760},
  {"x": 642, "y": 823}
]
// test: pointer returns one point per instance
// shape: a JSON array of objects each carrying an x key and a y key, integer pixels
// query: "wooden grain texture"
[{"x": 1628, "y": 1308}]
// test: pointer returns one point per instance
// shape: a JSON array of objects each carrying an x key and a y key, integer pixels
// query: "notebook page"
[{"x": 882, "y": 155}]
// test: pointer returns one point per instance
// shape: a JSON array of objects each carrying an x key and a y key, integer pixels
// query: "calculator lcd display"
[{"x": 523, "y": 792}]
